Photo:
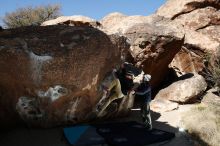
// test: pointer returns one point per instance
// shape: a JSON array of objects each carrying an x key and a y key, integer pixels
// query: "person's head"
[{"x": 129, "y": 75}]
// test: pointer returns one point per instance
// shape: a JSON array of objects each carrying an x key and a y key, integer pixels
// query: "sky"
[{"x": 95, "y": 9}]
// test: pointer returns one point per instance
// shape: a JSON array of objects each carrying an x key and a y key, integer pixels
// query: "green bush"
[
  {"x": 212, "y": 70},
  {"x": 31, "y": 15}
]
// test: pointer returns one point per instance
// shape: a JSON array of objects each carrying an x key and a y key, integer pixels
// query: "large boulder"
[
  {"x": 120, "y": 23},
  {"x": 163, "y": 105},
  {"x": 154, "y": 41},
  {"x": 201, "y": 32},
  {"x": 184, "y": 91},
  {"x": 51, "y": 75}
]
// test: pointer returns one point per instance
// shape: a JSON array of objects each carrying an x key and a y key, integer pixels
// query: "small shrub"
[
  {"x": 31, "y": 16},
  {"x": 212, "y": 70},
  {"x": 201, "y": 108}
]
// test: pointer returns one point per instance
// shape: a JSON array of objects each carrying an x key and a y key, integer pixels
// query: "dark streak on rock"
[{"x": 197, "y": 5}]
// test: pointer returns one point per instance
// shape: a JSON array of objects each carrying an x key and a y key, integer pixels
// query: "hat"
[
  {"x": 147, "y": 77},
  {"x": 129, "y": 73}
]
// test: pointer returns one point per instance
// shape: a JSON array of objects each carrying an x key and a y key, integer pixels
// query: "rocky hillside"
[{"x": 201, "y": 22}]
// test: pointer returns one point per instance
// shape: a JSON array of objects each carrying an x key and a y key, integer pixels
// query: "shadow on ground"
[{"x": 23, "y": 136}]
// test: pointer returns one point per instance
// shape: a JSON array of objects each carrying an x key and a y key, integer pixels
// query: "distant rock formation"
[
  {"x": 76, "y": 20},
  {"x": 119, "y": 23},
  {"x": 201, "y": 21}
]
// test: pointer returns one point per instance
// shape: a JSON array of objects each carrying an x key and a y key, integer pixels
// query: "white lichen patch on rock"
[
  {"x": 61, "y": 45},
  {"x": 53, "y": 93},
  {"x": 36, "y": 66},
  {"x": 95, "y": 79},
  {"x": 94, "y": 82},
  {"x": 28, "y": 108},
  {"x": 70, "y": 115}
]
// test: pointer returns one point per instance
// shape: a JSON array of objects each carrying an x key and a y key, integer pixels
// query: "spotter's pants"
[{"x": 146, "y": 116}]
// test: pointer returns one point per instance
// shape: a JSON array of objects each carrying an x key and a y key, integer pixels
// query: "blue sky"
[{"x": 93, "y": 8}]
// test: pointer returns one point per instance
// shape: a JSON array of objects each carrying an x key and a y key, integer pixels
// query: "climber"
[
  {"x": 143, "y": 92},
  {"x": 134, "y": 82},
  {"x": 128, "y": 75},
  {"x": 118, "y": 84},
  {"x": 111, "y": 88}
]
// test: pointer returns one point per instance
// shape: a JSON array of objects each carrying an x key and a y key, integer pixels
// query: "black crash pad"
[{"x": 115, "y": 134}]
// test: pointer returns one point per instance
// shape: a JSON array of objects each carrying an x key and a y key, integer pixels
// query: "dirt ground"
[{"x": 168, "y": 121}]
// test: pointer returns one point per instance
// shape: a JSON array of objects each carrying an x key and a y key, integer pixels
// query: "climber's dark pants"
[
  {"x": 144, "y": 100},
  {"x": 145, "y": 113}
]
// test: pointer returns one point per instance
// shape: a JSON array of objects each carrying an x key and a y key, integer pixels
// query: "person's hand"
[
  {"x": 138, "y": 79},
  {"x": 132, "y": 92}
]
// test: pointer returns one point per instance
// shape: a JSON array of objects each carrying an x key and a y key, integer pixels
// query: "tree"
[{"x": 31, "y": 15}]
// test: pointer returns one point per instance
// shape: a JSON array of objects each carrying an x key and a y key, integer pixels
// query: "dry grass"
[{"x": 203, "y": 123}]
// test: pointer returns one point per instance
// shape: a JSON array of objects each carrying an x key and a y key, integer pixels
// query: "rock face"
[
  {"x": 186, "y": 61},
  {"x": 201, "y": 21},
  {"x": 211, "y": 98},
  {"x": 163, "y": 105},
  {"x": 175, "y": 8},
  {"x": 212, "y": 31},
  {"x": 51, "y": 75},
  {"x": 183, "y": 91},
  {"x": 119, "y": 23},
  {"x": 154, "y": 41},
  {"x": 76, "y": 20}
]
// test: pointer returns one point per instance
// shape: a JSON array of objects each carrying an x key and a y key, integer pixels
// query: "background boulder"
[
  {"x": 201, "y": 32},
  {"x": 211, "y": 97},
  {"x": 75, "y": 20},
  {"x": 174, "y": 8},
  {"x": 154, "y": 41},
  {"x": 184, "y": 91},
  {"x": 163, "y": 105}
]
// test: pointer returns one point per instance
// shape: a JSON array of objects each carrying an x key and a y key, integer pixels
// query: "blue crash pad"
[
  {"x": 116, "y": 134},
  {"x": 83, "y": 136}
]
